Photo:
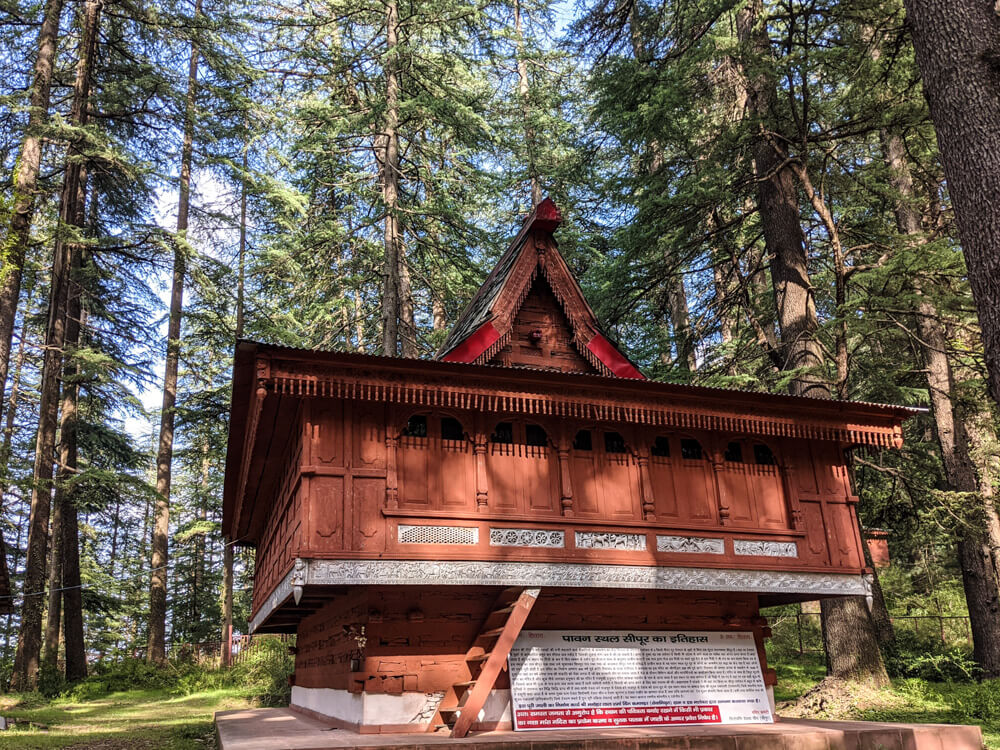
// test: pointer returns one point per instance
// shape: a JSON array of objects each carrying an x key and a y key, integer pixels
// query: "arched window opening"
[
  {"x": 661, "y": 447},
  {"x": 734, "y": 453},
  {"x": 690, "y": 449},
  {"x": 451, "y": 429},
  {"x": 583, "y": 441},
  {"x": 416, "y": 426},
  {"x": 535, "y": 436},
  {"x": 503, "y": 433},
  {"x": 614, "y": 443},
  {"x": 763, "y": 456}
]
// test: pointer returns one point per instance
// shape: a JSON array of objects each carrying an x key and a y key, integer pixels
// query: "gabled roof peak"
[{"x": 560, "y": 324}]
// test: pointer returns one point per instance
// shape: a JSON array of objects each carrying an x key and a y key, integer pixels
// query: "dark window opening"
[
  {"x": 582, "y": 441},
  {"x": 690, "y": 448},
  {"x": 534, "y": 435},
  {"x": 734, "y": 453},
  {"x": 451, "y": 429},
  {"x": 503, "y": 433},
  {"x": 614, "y": 443},
  {"x": 661, "y": 447},
  {"x": 763, "y": 456},
  {"x": 416, "y": 426}
]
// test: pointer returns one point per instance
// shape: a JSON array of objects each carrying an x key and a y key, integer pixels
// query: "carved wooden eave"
[
  {"x": 486, "y": 325},
  {"x": 266, "y": 376}
]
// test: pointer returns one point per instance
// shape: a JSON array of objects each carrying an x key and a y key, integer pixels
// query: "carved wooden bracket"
[
  {"x": 565, "y": 483},
  {"x": 391, "y": 478},
  {"x": 482, "y": 485},
  {"x": 646, "y": 486},
  {"x": 717, "y": 456}
]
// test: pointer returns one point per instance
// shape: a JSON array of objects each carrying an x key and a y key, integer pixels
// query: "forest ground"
[
  {"x": 160, "y": 718},
  {"x": 119, "y": 721}
]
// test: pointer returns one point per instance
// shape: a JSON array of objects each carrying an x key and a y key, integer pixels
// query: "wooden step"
[
  {"x": 492, "y": 633},
  {"x": 479, "y": 657}
]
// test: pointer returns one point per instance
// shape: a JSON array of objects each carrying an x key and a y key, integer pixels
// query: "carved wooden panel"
[
  {"x": 369, "y": 524},
  {"x": 415, "y": 462},
  {"x": 586, "y": 484},
  {"x": 541, "y": 336},
  {"x": 453, "y": 474},
  {"x": 369, "y": 435},
  {"x": 814, "y": 548},
  {"x": 502, "y": 462},
  {"x": 327, "y": 510},
  {"x": 769, "y": 495},
  {"x": 327, "y": 440},
  {"x": 842, "y": 535},
  {"x": 797, "y": 453},
  {"x": 620, "y": 478}
]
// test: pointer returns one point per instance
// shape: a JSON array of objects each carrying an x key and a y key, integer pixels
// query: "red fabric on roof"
[
  {"x": 605, "y": 351},
  {"x": 478, "y": 342}
]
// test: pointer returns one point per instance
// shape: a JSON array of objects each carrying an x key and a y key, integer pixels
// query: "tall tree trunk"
[
  {"x": 66, "y": 464},
  {"x": 676, "y": 294},
  {"x": 156, "y": 650},
  {"x": 26, "y": 660},
  {"x": 227, "y": 550},
  {"x": 523, "y": 91},
  {"x": 5, "y": 451},
  {"x": 957, "y": 45},
  {"x": 26, "y": 181},
  {"x": 848, "y": 631},
  {"x": 979, "y": 576},
  {"x": 390, "y": 188},
  {"x": 779, "y": 212}
]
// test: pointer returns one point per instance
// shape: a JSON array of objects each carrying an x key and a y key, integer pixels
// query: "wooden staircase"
[{"x": 461, "y": 705}]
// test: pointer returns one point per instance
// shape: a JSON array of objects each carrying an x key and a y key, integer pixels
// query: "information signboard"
[{"x": 569, "y": 679}]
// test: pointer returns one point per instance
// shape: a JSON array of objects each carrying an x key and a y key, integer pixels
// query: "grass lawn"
[
  {"x": 908, "y": 700},
  {"x": 127, "y": 719}
]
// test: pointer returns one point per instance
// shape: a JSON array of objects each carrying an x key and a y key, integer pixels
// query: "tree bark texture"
[
  {"x": 848, "y": 631},
  {"x": 852, "y": 652},
  {"x": 26, "y": 181},
  {"x": 392, "y": 237},
  {"x": 957, "y": 45},
  {"x": 979, "y": 576},
  {"x": 156, "y": 650},
  {"x": 7, "y": 605},
  {"x": 26, "y": 660},
  {"x": 777, "y": 203},
  {"x": 523, "y": 91},
  {"x": 72, "y": 598}
]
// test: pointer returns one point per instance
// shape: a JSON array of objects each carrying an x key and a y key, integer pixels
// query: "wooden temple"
[{"x": 410, "y": 517}]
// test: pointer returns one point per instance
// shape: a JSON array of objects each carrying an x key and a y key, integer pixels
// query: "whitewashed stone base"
[{"x": 363, "y": 709}]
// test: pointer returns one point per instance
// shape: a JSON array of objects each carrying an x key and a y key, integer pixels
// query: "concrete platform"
[{"x": 284, "y": 729}]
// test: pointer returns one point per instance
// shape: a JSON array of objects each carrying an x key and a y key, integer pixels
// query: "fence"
[
  {"x": 242, "y": 648},
  {"x": 806, "y": 632}
]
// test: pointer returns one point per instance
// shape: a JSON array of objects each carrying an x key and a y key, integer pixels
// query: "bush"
[
  {"x": 927, "y": 658},
  {"x": 984, "y": 703},
  {"x": 129, "y": 674},
  {"x": 265, "y": 673}
]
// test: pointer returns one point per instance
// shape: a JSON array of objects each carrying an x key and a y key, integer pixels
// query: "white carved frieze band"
[
  {"x": 475, "y": 573},
  {"x": 691, "y": 544},
  {"x": 438, "y": 534},
  {"x": 764, "y": 548},
  {"x": 610, "y": 540},
  {"x": 526, "y": 538}
]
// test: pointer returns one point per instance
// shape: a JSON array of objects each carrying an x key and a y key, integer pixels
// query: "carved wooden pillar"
[
  {"x": 718, "y": 458},
  {"x": 565, "y": 484},
  {"x": 391, "y": 480},
  {"x": 646, "y": 486},
  {"x": 482, "y": 485},
  {"x": 788, "y": 484}
]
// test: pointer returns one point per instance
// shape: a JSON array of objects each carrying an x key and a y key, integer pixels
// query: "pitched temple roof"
[{"x": 489, "y": 321}]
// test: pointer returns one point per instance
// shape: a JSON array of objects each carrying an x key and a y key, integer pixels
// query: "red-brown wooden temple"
[{"x": 411, "y": 516}]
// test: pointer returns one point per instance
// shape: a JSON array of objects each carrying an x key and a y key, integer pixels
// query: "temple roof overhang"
[{"x": 268, "y": 379}]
